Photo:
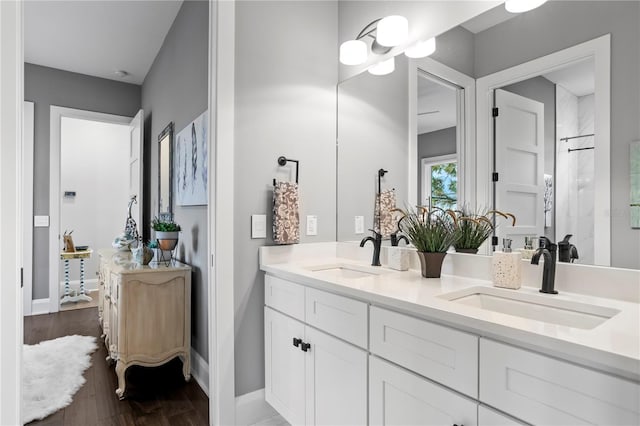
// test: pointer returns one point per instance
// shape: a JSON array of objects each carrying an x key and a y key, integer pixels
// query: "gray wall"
[
  {"x": 434, "y": 144},
  {"x": 456, "y": 48},
  {"x": 542, "y": 90},
  {"x": 48, "y": 86},
  {"x": 286, "y": 74},
  {"x": 175, "y": 89},
  {"x": 372, "y": 134},
  {"x": 560, "y": 24}
]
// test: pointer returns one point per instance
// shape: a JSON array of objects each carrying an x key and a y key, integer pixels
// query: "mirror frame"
[
  {"x": 466, "y": 126},
  {"x": 598, "y": 48},
  {"x": 166, "y": 132}
]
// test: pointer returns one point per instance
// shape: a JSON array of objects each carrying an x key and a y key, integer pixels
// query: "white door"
[
  {"x": 136, "y": 146},
  {"x": 519, "y": 150},
  {"x": 399, "y": 397},
  {"x": 336, "y": 381},
  {"x": 284, "y": 366}
]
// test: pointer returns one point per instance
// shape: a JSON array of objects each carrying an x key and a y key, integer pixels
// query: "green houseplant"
[
  {"x": 472, "y": 228},
  {"x": 166, "y": 233},
  {"x": 431, "y": 233}
]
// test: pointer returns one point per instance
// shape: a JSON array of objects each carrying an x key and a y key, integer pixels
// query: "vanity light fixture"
[
  {"x": 519, "y": 6},
  {"x": 384, "y": 67},
  {"x": 421, "y": 49},
  {"x": 385, "y": 32}
]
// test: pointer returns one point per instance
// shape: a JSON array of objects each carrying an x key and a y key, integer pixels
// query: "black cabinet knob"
[
  {"x": 297, "y": 342},
  {"x": 305, "y": 347}
]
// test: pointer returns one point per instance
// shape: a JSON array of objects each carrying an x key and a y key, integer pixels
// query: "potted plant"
[
  {"x": 431, "y": 233},
  {"x": 166, "y": 233},
  {"x": 471, "y": 229}
]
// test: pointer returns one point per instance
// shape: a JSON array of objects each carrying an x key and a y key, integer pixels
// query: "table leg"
[
  {"x": 82, "y": 295},
  {"x": 66, "y": 298}
]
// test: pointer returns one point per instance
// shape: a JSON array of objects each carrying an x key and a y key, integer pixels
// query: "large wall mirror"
[
  {"x": 165, "y": 175},
  {"x": 562, "y": 164}
]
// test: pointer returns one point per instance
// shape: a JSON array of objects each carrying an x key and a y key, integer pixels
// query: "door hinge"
[
  {"x": 21, "y": 277},
  {"x": 495, "y": 177},
  {"x": 495, "y": 112},
  {"x": 494, "y": 241}
]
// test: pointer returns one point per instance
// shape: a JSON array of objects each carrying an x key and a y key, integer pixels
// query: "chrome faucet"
[
  {"x": 377, "y": 243},
  {"x": 395, "y": 239},
  {"x": 548, "y": 250}
]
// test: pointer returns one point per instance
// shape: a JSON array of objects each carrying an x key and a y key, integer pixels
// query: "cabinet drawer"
[
  {"x": 489, "y": 417},
  {"x": 284, "y": 296},
  {"x": 343, "y": 317},
  {"x": 399, "y": 397},
  {"x": 440, "y": 353},
  {"x": 542, "y": 390}
]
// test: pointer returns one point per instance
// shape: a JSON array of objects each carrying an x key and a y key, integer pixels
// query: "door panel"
[{"x": 519, "y": 150}]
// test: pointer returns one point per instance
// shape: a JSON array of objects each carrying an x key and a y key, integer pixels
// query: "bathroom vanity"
[
  {"x": 144, "y": 312},
  {"x": 347, "y": 343}
]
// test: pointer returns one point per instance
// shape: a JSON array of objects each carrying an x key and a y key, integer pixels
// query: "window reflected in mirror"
[{"x": 165, "y": 149}]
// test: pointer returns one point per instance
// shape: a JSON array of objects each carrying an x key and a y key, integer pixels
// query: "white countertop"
[{"x": 612, "y": 346}]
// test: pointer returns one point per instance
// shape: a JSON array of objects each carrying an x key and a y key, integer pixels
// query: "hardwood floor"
[{"x": 155, "y": 396}]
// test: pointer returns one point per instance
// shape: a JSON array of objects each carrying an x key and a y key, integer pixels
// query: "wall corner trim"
[{"x": 252, "y": 408}]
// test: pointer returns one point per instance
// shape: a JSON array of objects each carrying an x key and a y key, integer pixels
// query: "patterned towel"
[
  {"x": 385, "y": 203},
  {"x": 286, "y": 219}
]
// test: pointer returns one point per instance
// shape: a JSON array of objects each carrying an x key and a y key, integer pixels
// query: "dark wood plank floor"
[{"x": 155, "y": 396}]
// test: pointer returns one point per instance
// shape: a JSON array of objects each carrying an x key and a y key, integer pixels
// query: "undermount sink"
[
  {"x": 346, "y": 271},
  {"x": 531, "y": 306}
]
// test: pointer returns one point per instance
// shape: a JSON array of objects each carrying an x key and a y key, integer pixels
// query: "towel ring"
[{"x": 282, "y": 161}]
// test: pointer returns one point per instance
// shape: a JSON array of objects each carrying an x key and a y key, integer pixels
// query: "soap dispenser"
[{"x": 507, "y": 267}]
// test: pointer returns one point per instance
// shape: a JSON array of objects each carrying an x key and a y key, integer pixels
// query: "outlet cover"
[
  {"x": 312, "y": 225},
  {"x": 258, "y": 226},
  {"x": 359, "y": 224}
]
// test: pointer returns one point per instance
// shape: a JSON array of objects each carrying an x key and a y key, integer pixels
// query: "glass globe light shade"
[
  {"x": 421, "y": 49},
  {"x": 353, "y": 52},
  {"x": 519, "y": 6},
  {"x": 392, "y": 30},
  {"x": 384, "y": 67}
]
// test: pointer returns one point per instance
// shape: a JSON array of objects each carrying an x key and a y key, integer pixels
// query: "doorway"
[{"x": 91, "y": 179}]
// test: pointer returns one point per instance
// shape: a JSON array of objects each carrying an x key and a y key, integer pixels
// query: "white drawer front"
[
  {"x": 543, "y": 390},
  {"x": 398, "y": 397},
  {"x": 284, "y": 296},
  {"x": 440, "y": 353},
  {"x": 489, "y": 417},
  {"x": 343, "y": 317}
]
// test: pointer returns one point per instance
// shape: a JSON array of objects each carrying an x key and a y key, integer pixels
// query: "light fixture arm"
[{"x": 368, "y": 30}]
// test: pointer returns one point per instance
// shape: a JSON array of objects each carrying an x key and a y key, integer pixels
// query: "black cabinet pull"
[
  {"x": 297, "y": 342},
  {"x": 305, "y": 347}
]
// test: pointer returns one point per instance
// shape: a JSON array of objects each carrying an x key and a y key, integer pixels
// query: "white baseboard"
[
  {"x": 90, "y": 285},
  {"x": 40, "y": 306},
  {"x": 200, "y": 370},
  {"x": 252, "y": 408}
]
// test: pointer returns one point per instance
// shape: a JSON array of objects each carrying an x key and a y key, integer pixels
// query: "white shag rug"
[{"x": 52, "y": 373}]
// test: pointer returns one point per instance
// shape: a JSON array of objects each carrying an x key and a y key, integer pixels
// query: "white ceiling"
[
  {"x": 432, "y": 97},
  {"x": 96, "y": 37},
  {"x": 579, "y": 78}
]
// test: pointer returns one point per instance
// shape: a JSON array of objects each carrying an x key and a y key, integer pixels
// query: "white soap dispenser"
[{"x": 507, "y": 267}]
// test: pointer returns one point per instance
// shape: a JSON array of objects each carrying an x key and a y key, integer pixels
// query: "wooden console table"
[{"x": 144, "y": 312}]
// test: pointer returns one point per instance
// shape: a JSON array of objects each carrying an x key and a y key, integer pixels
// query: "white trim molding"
[
  {"x": 55, "y": 118},
  {"x": 600, "y": 50},
  {"x": 221, "y": 215},
  {"x": 27, "y": 206},
  {"x": 252, "y": 408},
  {"x": 200, "y": 370},
  {"x": 40, "y": 306},
  {"x": 11, "y": 223}
]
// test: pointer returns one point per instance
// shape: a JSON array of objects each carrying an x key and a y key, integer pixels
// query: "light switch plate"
[
  {"x": 312, "y": 225},
  {"x": 40, "y": 221},
  {"x": 359, "y": 224},
  {"x": 258, "y": 226}
]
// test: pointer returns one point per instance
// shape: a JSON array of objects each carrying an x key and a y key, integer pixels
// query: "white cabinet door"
[
  {"x": 284, "y": 366},
  {"x": 489, "y": 417},
  {"x": 399, "y": 397},
  {"x": 336, "y": 377}
]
